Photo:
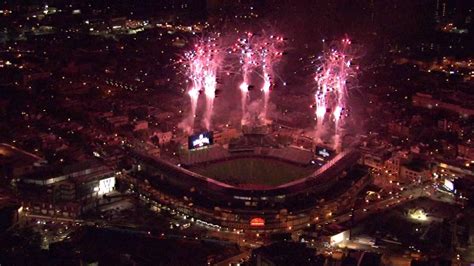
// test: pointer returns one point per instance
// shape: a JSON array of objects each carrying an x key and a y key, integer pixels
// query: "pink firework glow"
[
  {"x": 258, "y": 51},
  {"x": 201, "y": 65},
  {"x": 331, "y": 93},
  {"x": 248, "y": 62}
]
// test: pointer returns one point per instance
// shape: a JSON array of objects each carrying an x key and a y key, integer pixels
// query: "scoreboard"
[{"x": 200, "y": 140}]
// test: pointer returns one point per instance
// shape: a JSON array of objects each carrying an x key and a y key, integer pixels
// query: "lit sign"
[
  {"x": 448, "y": 184},
  {"x": 324, "y": 152},
  {"x": 418, "y": 214},
  {"x": 106, "y": 185},
  {"x": 257, "y": 221},
  {"x": 200, "y": 140},
  {"x": 336, "y": 239}
]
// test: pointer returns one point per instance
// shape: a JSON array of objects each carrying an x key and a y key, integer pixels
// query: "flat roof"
[
  {"x": 12, "y": 155},
  {"x": 67, "y": 170}
]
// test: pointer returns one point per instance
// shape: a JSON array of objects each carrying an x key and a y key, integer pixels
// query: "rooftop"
[
  {"x": 74, "y": 170},
  {"x": 12, "y": 155}
]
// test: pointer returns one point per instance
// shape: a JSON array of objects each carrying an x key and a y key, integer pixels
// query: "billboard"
[
  {"x": 200, "y": 140},
  {"x": 106, "y": 185}
]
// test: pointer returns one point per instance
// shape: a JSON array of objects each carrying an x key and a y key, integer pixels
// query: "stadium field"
[{"x": 253, "y": 171}]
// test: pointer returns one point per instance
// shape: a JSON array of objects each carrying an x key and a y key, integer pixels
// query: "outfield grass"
[{"x": 255, "y": 171}]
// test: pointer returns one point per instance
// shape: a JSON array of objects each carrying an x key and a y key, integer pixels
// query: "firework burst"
[
  {"x": 332, "y": 73},
  {"x": 202, "y": 64},
  {"x": 258, "y": 52}
]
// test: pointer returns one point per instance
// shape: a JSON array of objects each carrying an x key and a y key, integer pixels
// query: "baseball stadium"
[{"x": 254, "y": 184}]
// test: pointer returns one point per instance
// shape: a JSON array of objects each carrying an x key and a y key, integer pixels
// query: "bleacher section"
[
  {"x": 218, "y": 153},
  {"x": 208, "y": 154},
  {"x": 292, "y": 154}
]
